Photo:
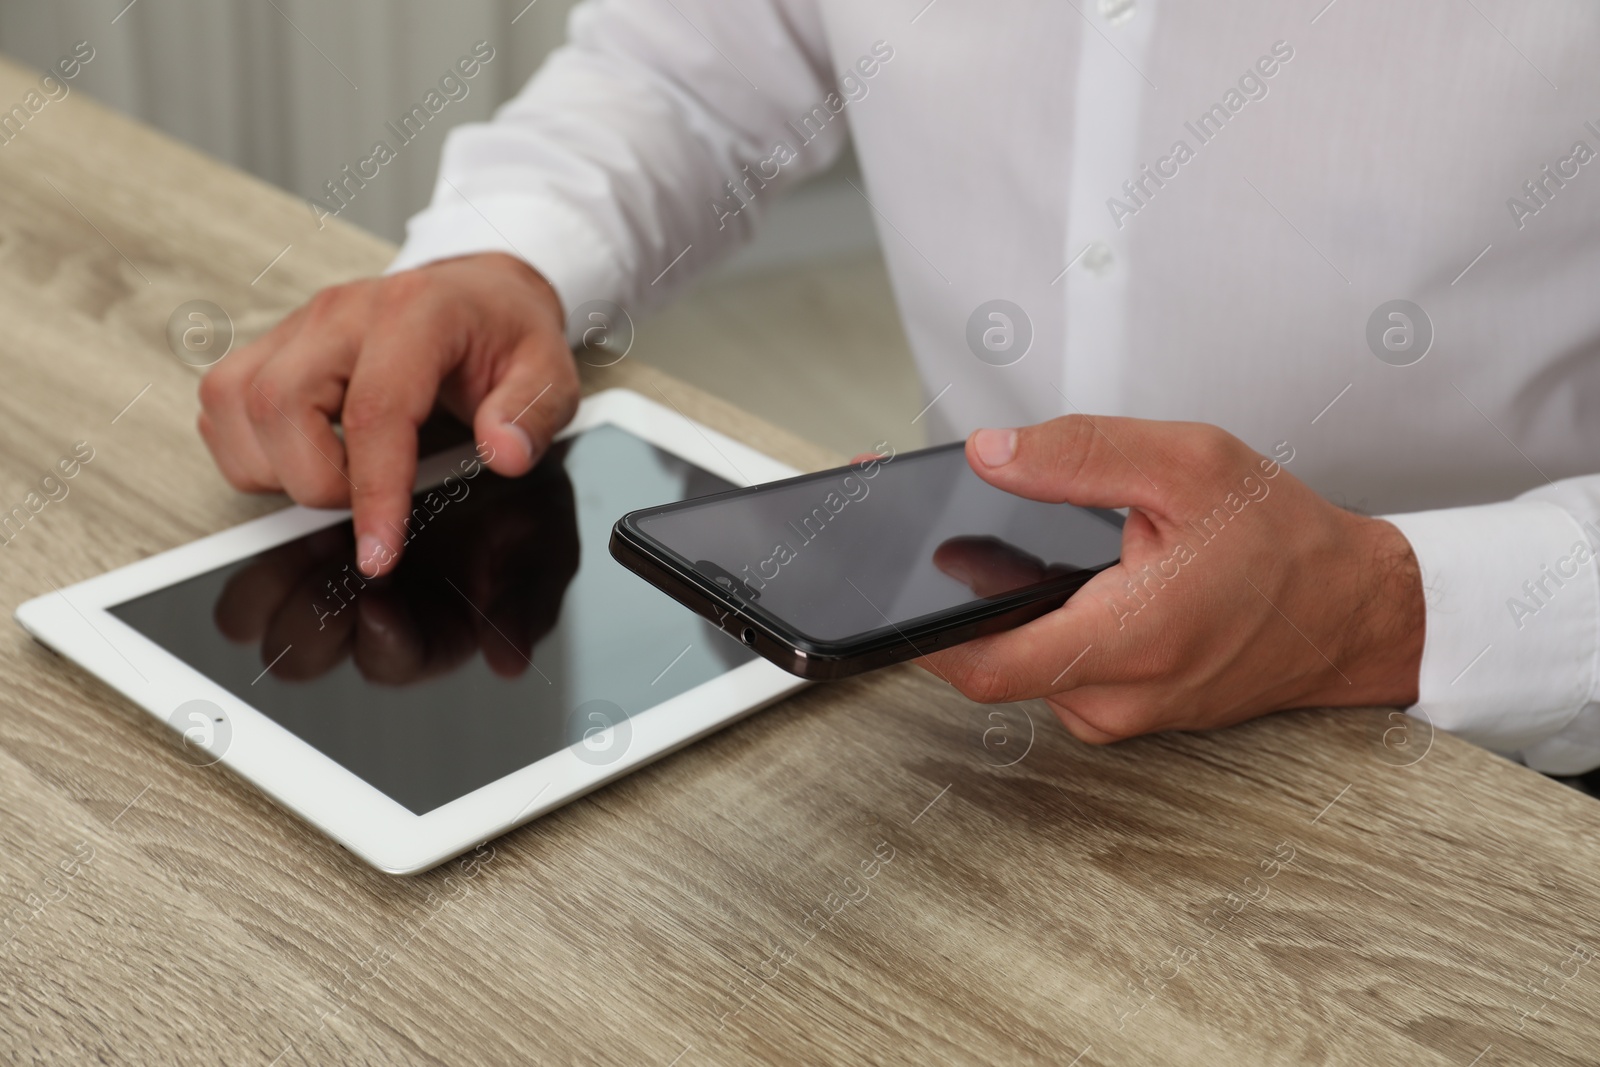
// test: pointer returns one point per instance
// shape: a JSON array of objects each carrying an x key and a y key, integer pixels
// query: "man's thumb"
[
  {"x": 1098, "y": 463},
  {"x": 535, "y": 397}
]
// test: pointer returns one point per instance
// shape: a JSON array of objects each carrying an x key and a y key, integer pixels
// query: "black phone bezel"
[{"x": 818, "y": 659}]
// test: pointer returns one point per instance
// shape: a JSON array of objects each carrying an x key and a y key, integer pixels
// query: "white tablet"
[{"x": 505, "y": 667}]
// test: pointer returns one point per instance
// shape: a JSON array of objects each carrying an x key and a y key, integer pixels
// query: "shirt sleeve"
[
  {"x": 643, "y": 150},
  {"x": 1511, "y": 658}
]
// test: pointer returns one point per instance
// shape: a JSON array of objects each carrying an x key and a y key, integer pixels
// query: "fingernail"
[
  {"x": 522, "y": 439},
  {"x": 368, "y": 549},
  {"x": 995, "y": 447}
]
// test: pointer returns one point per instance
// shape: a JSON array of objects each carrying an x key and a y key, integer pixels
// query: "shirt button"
[
  {"x": 1116, "y": 12},
  {"x": 1097, "y": 259}
]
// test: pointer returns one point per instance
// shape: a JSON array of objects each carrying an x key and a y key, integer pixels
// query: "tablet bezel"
[{"x": 74, "y": 622}]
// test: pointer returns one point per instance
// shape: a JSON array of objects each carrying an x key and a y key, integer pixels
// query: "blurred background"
[{"x": 293, "y": 90}]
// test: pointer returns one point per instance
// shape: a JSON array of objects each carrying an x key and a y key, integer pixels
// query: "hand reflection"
[
  {"x": 487, "y": 571},
  {"x": 991, "y": 567}
]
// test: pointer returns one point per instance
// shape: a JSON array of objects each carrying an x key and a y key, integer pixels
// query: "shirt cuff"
[
  {"x": 544, "y": 232},
  {"x": 1509, "y": 657}
]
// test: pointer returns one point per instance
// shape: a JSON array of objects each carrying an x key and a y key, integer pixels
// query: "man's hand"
[
  {"x": 1240, "y": 591},
  {"x": 483, "y": 335}
]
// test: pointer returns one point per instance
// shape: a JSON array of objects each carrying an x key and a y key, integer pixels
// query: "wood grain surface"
[{"x": 876, "y": 870}]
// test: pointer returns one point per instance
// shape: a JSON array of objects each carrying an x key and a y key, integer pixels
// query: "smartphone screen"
[{"x": 836, "y": 555}]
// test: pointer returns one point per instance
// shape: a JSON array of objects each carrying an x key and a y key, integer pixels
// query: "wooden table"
[{"x": 1032, "y": 900}]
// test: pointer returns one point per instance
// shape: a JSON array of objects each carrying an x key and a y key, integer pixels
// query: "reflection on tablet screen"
[{"x": 480, "y": 653}]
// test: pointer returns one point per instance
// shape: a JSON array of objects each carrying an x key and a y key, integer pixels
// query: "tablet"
[{"x": 506, "y": 666}]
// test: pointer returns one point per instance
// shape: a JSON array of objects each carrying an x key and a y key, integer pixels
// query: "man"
[{"x": 1236, "y": 214}]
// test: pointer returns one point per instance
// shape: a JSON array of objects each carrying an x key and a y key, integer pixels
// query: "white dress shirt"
[{"x": 1331, "y": 161}]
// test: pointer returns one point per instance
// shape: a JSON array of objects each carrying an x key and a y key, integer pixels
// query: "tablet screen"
[{"x": 506, "y": 633}]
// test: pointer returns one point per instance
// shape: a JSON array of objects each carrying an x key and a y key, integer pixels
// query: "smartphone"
[{"x": 846, "y": 570}]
